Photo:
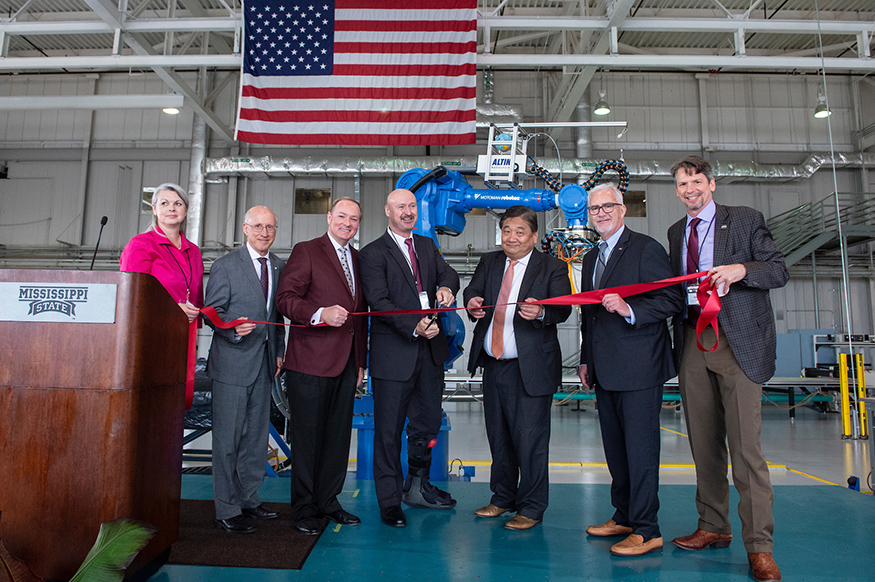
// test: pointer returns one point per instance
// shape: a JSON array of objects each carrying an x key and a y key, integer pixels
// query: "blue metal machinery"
[{"x": 444, "y": 198}]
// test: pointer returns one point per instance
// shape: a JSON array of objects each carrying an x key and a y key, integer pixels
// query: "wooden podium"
[{"x": 91, "y": 414}]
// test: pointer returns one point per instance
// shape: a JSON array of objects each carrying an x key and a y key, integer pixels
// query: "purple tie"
[
  {"x": 414, "y": 263},
  {"x": 264, "y": 283},
  {"x": 693, "y": 311}
]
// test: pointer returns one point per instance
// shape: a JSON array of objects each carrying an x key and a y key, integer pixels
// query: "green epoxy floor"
[{"x": 823, "y": 533}]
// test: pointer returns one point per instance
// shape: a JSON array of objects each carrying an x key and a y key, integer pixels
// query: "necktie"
[
  {"x": 414, "y": 263},
  {"x": 346, "y": 269},
  {"x": 264, "y": 283},
  {"x": 693, "y": 311},
  {"x": 500, "y": 312},
  {"x": 600, "y": 264}
]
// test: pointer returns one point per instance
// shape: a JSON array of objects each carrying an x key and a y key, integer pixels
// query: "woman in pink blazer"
[{"x": 165, "y": 253}]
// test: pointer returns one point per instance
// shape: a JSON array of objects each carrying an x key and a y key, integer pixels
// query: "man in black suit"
[
  {"x": 722, "y": 390},
  {"x": 626, "y": 356},
  {"x": 518, "y": 349},
  {"x": 403, "y": 271},
  {"x": 243, "y": 363}
]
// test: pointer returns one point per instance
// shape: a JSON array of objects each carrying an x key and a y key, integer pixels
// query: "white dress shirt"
[
  {"x": 254, "y": 255},
  {"x": 612, "y": 242},
  {"x": 510, "y": 349},
  {"x": 339, "y": 249}
]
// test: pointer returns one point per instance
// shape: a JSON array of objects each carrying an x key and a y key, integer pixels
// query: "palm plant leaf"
[
  {"x": 118, "y": 542},
  {"x": 14, "y": 570}
]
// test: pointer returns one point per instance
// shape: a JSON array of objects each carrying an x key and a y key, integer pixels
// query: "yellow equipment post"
[
  {"x": 861, "y": 394},
  {"x": 846, "y": 401}
]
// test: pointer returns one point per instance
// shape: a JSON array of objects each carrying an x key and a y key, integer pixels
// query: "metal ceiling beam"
[
  {"x": 521, "y": 23},
  {"x": 109, "y": 62},
  {"x": 565, "y": 102},
  {"x": 91, "y": 102},
  {"x": 109, "y": 14},
  {"x": 617, "y": 62},
  {"x": 677, "y": 25},
  {"x": 37, "y": 28}
]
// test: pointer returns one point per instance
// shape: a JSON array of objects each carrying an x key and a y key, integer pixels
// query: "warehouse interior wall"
[{"x": 62, "y": 170}]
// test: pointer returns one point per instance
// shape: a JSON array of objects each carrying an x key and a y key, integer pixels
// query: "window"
[
  {"x": 312, "y": 200},
  {"x": 636, "y": 203}
]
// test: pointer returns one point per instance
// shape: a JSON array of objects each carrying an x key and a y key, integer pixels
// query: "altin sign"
[{"x": 58, "y": 302}]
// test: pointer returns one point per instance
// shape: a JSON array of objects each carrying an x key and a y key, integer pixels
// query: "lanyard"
[{"x": 181, "y": 270}]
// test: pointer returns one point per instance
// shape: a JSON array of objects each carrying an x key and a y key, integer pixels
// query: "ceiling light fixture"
[
  {"x": 171, "y": 110},
  {"x": 601, "y": 106},
  {"x": 821, "y": 110}
]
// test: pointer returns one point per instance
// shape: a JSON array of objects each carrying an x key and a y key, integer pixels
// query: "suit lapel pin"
[{"x": 724, "y": 226}]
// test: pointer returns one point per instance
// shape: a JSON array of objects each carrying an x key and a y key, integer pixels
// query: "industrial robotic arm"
[{"x": 444, "y": 199}]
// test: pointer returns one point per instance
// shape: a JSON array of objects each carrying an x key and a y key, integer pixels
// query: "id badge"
[
  {"x": 423, "y": 300},
  {"x": 692, "y": 298}
]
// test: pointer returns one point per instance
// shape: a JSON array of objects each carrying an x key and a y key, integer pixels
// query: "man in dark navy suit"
[
  {"x": 626, "y": 357},
  {"x": 403, "y": 271},
  {"x": 518, "y": 348}
]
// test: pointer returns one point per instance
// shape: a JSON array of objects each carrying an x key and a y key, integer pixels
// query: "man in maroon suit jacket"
[{"x": 324, "y": 364}]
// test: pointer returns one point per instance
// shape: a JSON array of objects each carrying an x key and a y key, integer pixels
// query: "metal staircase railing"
[{"x": 803, "y": 230}]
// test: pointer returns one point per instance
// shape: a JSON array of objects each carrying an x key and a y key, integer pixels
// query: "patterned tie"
[
  {"x": 414, "y": 263},
  {"x": 693, "y": 311},
  {"x": 346, "y": 270},
  {"x": 600, "y": 264},
  {"x": 264, "y": 283},
  {"x": 500, "y": 312}
]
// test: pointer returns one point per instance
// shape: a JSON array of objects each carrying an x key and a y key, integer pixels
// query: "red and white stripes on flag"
[{"x": 359, "y": 72}]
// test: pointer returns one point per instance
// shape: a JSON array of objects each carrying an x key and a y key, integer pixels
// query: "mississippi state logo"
[{"x": 58, "y": 299}]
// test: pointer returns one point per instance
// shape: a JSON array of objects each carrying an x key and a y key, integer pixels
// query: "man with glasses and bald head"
[{"x": 243, "y": 362}]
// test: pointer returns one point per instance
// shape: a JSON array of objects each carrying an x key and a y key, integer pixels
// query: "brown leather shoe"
[
  {"x": 764, "y": 567},
  {"x": 490, "y": 511},
  {"x": 634, "y": 545},
  {"x": 521, "y": 522},
  {"x": 701, "y": 539},
  {"x": 609, "y": 528}
]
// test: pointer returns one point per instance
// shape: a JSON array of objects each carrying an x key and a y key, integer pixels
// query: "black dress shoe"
[
  {"x": 342, "y": 517},
  {"x": 309, "y": 526},
  {"x": 236, "y": 524},
  {"x": 393, "y": 515},
  {"x": 260, "y": 512}
]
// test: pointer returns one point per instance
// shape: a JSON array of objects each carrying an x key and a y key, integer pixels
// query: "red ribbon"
[
  {"x": 192, "y": 360},
  {"x": 708, "y": 299}
]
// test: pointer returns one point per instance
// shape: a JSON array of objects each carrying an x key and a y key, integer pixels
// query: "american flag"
[{"x": 359, "y": 72}]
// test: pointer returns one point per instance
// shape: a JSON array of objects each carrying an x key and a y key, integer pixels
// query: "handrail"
[{"x": 796, "y": 227}]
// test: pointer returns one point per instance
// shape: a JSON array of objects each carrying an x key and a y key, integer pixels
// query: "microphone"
[{"x": 99, "y": 234}]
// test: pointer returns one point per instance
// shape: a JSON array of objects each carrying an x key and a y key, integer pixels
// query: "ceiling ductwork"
[{"x": 269, "y": 166}]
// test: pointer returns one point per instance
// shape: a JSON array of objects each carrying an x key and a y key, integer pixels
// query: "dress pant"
[
  {"x": 629, "y": 422},
  {"x": 721, "y": 403},
  {"x": 518, "y": 429},
  {"x": 321, "y": 425},
  {"x": 240, "y": 416},
  {"x": 417, "y": 398}
]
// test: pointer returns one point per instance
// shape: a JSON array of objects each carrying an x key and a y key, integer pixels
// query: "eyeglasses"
[
  {"x": 256, "y": 228},
  {"x": 607, "y": 207}
]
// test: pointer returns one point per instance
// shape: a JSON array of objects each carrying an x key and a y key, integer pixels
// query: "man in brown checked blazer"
[
  {"x": 722, "y": 390},
  {"x": 324, "y": 364}
]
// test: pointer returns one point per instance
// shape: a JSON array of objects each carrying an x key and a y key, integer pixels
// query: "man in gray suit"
[
  {"x": 243, "y": 362},
  {"x": 722, "y": 389}
]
